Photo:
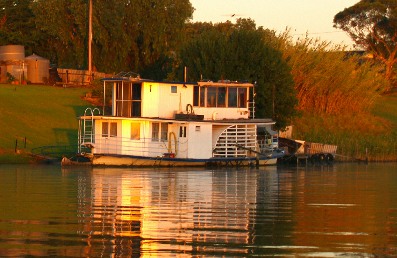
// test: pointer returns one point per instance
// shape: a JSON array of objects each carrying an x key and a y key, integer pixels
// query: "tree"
[
  {"x": 239, "y": 53},
  {"x": 372, "y": 25},
  {"x": 17, "y": 24},
  {"x": 64, "y": 24},
  {"x": 127, "y": 35}
]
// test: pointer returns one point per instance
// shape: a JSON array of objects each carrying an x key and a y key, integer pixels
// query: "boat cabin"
[{"x": 193, "y": 122}]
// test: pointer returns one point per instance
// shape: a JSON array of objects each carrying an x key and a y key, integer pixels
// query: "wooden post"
[
  {"x": 16, "y": 145},
  {"x": 25, "y": 143},
  {"x": 89, "y": 37}
]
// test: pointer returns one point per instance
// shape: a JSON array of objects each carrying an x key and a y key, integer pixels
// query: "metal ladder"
[{"x": 87, "y": 128}]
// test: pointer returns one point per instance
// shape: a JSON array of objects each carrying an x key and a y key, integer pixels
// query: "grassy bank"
[
  {"x": 43, "y": 115},
  {"x": 46, "y": 116},
  {"x": 357, "y": 135}
]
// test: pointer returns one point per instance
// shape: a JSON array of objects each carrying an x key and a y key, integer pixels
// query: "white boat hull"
[{"x": 137, "y": 161}]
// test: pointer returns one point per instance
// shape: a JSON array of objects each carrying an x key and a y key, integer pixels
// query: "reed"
[
  {"x": 362, "y": 136},
  {"x": 340, "y": 99}
]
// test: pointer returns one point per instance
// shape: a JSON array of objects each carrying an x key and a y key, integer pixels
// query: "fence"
[{"x": 78, "y": 77}]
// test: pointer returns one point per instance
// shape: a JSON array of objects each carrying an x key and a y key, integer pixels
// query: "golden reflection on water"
[
  {"x": 344, "y": 210},
  {"x": 171, "y": 210}
]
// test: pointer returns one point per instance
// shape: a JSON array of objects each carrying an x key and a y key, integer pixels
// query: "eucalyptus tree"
[
  {"x": 17, "y": 24},
  {"x": 64, "y": 23},
  {"x": 239, "y": 53},
  {"x": 127, "y": 34},
  {"x": 372, "y": 25}
]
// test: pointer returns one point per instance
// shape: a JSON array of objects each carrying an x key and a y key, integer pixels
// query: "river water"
[{"x": 340, "y": 210}]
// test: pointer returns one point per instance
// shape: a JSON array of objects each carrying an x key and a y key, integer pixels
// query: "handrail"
[{"x": 143, "y": 147}]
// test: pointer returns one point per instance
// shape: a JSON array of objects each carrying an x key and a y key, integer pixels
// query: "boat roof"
[
  {"x": 130, "y": 77},
  {"x": 263, "y": 121}
]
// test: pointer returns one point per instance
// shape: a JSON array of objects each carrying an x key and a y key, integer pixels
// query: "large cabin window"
[
  {"x": 232, "y": 97},
  {"x": 155, "y": 132},
  {"x": 159, "y": 132},
  {"x": 221, "y": 97},
  {"x": 218, "y": 96},
  {"x": 128, "y": 99},
  {"x": 164, "y": 132},
  {"x": 242, "y": 97},
  {"x": 211, "y": 97}
]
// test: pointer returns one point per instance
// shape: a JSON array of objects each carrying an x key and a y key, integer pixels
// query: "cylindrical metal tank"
[
  {"x": 38, "y": 69},
  {"x": 12, "y": 53}
]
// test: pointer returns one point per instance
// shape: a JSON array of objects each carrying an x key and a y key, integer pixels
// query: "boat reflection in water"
[
  {"x": 345, "y": 210},
  {"x": 130, "y": 212}
]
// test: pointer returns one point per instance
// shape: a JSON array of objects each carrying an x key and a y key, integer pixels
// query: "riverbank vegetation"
[
  {"x": 46, "y": 115},
  {"x": 329, "y": 95},
  {"x": 341, "y": 100}
]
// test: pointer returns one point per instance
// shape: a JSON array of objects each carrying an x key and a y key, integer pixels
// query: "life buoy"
[{"x": 189, "y": 109}]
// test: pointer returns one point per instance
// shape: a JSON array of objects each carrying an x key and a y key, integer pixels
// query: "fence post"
[
  {"x": 25, "y": 143},
  {"x": 16, "y": 145}
]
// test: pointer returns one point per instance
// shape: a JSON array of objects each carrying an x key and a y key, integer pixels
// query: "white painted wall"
[
  {"x": 199, "y": 143},
  {"x": 222, "y": 113},
  {"x": 150, "y": 99},
  {"x": 159, "y": 101}
]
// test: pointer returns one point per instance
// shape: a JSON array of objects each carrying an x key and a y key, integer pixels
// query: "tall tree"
[
  {"x": 65, "y": 24},
  {"x": 17, "y": 24},
  {"x": 372, "y": 25},
  {"x": 239, "y": 53},
  {"x": 127, "y": 34}
]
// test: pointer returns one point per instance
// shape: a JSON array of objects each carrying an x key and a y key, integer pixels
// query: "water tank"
[
  {"x": 38, "y": 69},
  {"x": 12, "y": 53}
]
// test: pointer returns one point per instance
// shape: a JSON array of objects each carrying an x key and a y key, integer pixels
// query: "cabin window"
[
  {"x": 155, "y": 132},
  {"x": 136, "y": 100},
  {"x": 221, "y": 97},
  {"x": 242, "y": 97},
  {"x": 135, "y": 131},
  {"x": 159, "y": 132},
  {"x": 211, "y": 97},
  {"x": 113, "y": 129},
  {"x": 109, "y": 129},
  {"x": 174, "y": 89},
  {"x": 232, "y": 97},
  {"x": 198, "y": 128},
  {"x": 202, "y": 96},
  {"x": 128, "y": 99},
  {"x": 164, "y": 131},
  {"x": 182, "y": 131},
  {"x": 105, "y": 129}
]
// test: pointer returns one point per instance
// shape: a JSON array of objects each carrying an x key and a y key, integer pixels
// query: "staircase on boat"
[{"x": 87, "y": 128}]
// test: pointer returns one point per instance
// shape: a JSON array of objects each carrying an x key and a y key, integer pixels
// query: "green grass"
[
  {"x": 386, "y": 107},
  {"x": 44, "y": 115}
]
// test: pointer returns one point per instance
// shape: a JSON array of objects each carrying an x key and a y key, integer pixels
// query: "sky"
[{"x": 314, "y": 17}]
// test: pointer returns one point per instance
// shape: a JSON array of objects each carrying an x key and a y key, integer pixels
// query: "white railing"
[{"x": 146, "y": 147}]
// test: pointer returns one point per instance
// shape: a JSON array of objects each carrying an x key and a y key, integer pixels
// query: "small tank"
[
  {"x": 12, "y": 53},
  {"x": 38, "y": 69}
]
